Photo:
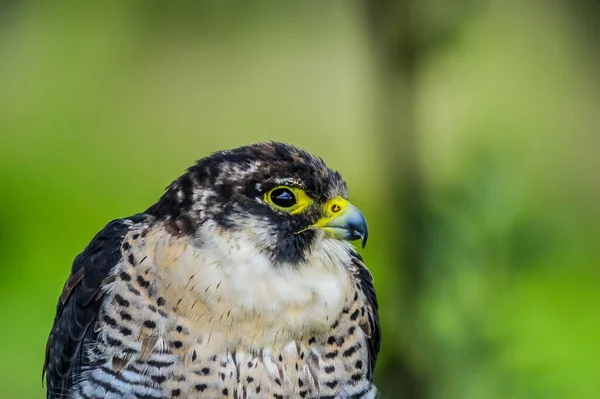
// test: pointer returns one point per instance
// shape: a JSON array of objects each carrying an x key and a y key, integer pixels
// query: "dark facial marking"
[{"x": 229, "y": 186}]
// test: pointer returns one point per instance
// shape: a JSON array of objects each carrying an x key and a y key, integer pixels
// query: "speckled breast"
[{"x": 149, "y": 347}]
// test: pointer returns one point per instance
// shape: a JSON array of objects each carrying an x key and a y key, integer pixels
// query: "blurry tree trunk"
[
  {"x": 397, "y": 58},
  {"x": 401, "y": 33}
]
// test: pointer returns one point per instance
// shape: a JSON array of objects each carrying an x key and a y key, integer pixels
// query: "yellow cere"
[
  {"x": 335, "y": 206},
  {"x": 303, "y": 201},
  {"x": 331, "y": 210}
]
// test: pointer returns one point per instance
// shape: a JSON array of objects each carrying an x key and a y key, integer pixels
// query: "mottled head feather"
[{"x": 228, "y": 187}]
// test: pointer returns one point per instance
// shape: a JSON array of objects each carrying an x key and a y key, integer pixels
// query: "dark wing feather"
[
  {"x": 78, "y": 307},
  {"x": 370, "y": 322}
]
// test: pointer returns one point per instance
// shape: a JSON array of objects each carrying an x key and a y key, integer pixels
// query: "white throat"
[
  {"x": 221, "y": 282},
  {"x": 308, "y": 295}
]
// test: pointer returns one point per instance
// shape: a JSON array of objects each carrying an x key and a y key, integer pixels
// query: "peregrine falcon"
[{"x": 240, "y": 282}]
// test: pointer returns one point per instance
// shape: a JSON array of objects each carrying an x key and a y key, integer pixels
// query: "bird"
[{"x": 241, "y": 281}]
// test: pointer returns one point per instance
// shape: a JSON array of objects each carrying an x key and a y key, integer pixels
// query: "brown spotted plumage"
[{"x": 238, "y": 283}]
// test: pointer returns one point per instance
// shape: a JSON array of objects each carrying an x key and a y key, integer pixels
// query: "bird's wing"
[
  {"x": 78, "y": 307},
  {"x": 370, "y": 321}
]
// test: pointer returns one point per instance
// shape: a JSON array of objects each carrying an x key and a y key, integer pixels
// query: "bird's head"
[{"x": 282, "y": 200}]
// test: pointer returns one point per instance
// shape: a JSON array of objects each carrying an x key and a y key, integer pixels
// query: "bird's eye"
[
  {"x": 288, "y": 199},
  {"x": 283, "y": 197}
]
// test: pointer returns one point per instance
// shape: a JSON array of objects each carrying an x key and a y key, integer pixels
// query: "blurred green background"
[{"x": 468, "y": 134}]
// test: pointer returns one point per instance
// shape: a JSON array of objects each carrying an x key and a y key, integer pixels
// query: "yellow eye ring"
[{"x": 288, "y": 199}]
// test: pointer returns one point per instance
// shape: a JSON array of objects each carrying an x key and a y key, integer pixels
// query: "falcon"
[{"x": 240, "y": 282}]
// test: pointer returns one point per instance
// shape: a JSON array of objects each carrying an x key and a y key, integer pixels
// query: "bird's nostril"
[{"x": 335, "y": 208}]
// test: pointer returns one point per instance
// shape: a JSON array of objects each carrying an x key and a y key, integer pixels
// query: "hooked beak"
[{"x": 343, "y": 221}]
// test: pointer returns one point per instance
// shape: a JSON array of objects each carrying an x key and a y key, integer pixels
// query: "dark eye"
[{"x": 283, "y": 197}]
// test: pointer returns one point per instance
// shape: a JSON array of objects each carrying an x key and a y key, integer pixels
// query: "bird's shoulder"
[{"x": 79, "y": 303}]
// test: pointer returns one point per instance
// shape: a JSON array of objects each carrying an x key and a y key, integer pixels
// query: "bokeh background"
[{"x": 468, "y": 132}]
